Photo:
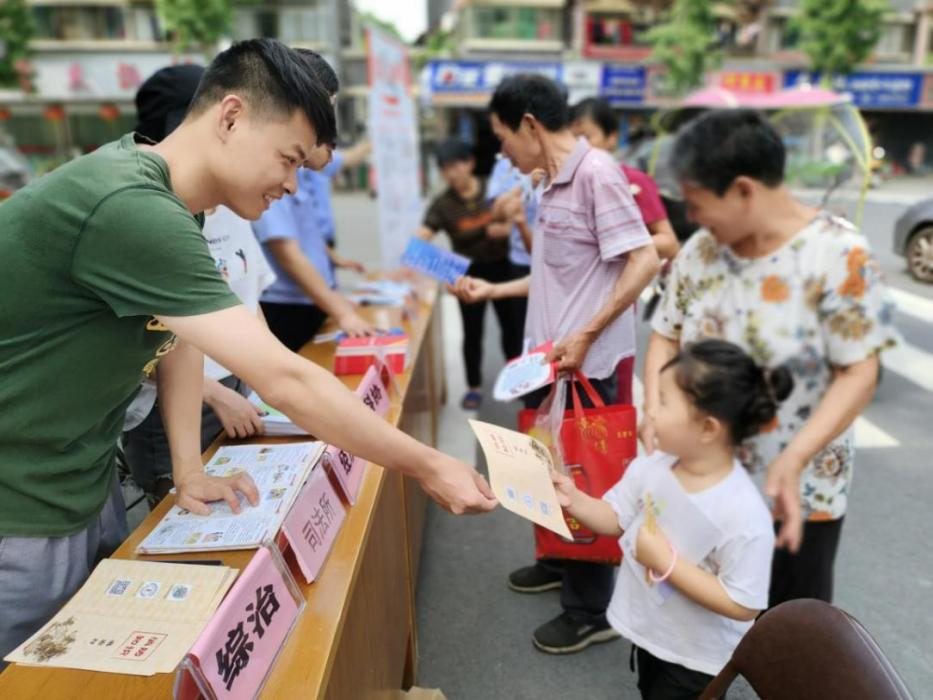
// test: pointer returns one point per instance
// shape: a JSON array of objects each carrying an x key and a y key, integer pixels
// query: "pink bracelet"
[{"x": 667, "y": 574}]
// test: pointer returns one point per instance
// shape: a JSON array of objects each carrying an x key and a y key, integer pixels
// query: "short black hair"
[
  {"x": 723, "y": 381},
  {"x": 322, "y": 70},
  {"x": 273, "y": 78},
  {"x": 453, "y": 151},
  {"x": 529, "y": 93},
  {"x": 599, "y": 111},
  {"x": 721, "y": 145}
]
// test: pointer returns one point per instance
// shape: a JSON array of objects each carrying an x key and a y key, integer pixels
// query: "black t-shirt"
[{"x": 465, "y": 221}]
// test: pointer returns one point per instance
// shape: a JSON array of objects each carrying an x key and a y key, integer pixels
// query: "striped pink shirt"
[{"x": 587, "y": 222}]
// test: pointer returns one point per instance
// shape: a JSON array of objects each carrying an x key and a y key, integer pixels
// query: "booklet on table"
[
  {"x": 279, "y": 472},
  {"x": 135, "y": 617}
]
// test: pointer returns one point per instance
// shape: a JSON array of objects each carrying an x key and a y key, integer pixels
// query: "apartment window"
[
  {"x": 782, "y": 35},
  {"x": 79, "y": 23},
  {"x": 144, "y": 24},
  {"x": 522, "y": 23},
  {"x": 267, "y": 24},
  {"x": 314, "y": 25},
  {"x": 896, "y": 40},
  {"x": 617, "y": 30}
]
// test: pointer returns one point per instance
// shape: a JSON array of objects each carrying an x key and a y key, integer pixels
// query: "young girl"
[{"x": 702, "y": 534}]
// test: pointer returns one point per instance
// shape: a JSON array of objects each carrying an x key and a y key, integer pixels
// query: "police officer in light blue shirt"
[
  {"x": 318, "y": 187},
  {"x": 293, "y": 233}
]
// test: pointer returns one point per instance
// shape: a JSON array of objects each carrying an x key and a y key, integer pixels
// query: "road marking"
[
  {"x": 912, "y": 363},
  {"x": 869, "y": 435},
  {"x": 912, "y": 304}
]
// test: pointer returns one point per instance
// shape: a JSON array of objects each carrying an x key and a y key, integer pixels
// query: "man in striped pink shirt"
[{"x": 591, "y": 258}]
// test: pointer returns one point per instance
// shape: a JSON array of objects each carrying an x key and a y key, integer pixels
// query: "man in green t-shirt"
[{"x": 106, "y": 274}]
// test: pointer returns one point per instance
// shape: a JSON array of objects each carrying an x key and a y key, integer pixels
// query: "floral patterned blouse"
[{"x": 815, "y": 302}]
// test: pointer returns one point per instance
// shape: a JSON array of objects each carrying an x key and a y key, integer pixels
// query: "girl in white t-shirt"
[{"x": 696, "y": 535}]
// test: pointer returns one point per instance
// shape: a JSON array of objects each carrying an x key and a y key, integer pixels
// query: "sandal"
[{"x": 472, "y": 400}]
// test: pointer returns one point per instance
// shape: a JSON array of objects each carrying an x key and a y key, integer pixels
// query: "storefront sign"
[
  {"x": 875, "y": 89},
  {"x": 747, "y": 82},
  {"x": 583, "y": 79},
  {"x": 624, "y": 85},
  {"x": 98, "y": 76},
  {"x": 464, "y": 80}
]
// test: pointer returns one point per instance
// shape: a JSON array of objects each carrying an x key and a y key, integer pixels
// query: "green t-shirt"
[{"x": 89, "y": 254}]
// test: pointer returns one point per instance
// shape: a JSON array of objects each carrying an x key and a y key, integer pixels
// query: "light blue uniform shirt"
[
  {"x": 294, "y": 217},
  {"x": 317, "y": 186},
  {"x": 504, "y": 178}
]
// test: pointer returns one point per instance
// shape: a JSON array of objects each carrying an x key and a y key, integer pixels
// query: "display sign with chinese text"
[
  {"x": 392, "y": 129},
  {"x": 313, "y": 523},
  {"x": 624, "y": 85},
  {"x": 869, "y": 89},
  {"x": 346, "y": 468},
  {"x": 233, "y": 656}
]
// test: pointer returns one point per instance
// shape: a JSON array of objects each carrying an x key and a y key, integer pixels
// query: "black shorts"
[{"x": 663, "y": 680}]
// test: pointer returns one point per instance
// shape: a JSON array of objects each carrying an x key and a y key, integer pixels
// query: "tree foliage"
[
  {"x": 195, "y": 23},
  {"x": 837, "y": 35},
  {"x": 368, "y": 18},
  {"x": 16, "y": 30},
  {"x": 686, "y": 45}
]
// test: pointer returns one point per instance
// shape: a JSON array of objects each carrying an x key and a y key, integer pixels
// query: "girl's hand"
[
  {"x": 652, "y": 550},
  {"x": 565, "y": 488}
]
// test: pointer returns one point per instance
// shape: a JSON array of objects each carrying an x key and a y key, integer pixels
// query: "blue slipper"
[{"x": 472, "y": 400}]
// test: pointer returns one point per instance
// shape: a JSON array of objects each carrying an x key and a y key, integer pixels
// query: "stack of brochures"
[
  {"x": 381, "y": 293},
  {"x": 355, "y": 355},
  {"x": 276, "y": 423}
]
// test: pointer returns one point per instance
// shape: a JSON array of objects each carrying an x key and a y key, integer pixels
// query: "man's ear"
[
  {"x": 232, "y": 110},
  {"x": 744, "y": 186}
]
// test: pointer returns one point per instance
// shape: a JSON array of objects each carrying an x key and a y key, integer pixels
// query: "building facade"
[
  {"x": 89, "y": 58},
  {"x": 599, "y": 47}
]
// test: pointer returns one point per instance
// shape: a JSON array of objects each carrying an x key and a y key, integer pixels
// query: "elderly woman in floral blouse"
[{"x": 794, "y": 286}]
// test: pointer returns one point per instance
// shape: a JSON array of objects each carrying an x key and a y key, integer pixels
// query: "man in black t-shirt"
[{"x": 463, "y": 212}]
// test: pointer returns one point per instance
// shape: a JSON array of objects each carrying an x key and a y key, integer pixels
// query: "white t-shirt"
[
  {"x": 679, "y": 630},
  {"x": 239, "y": 258}
]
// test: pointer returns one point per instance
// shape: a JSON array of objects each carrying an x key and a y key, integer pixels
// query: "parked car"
[
  {"x": 913, "y": 239},
  {"x": 14, "y": 171}
]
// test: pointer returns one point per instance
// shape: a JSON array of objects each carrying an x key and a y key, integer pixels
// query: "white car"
[{"x": 913, "y": 238}]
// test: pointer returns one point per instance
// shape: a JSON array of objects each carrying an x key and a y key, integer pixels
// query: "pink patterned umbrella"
[{"x": 795, "y": 97}]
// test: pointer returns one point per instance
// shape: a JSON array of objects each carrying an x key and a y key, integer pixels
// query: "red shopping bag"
[{"x": 597, "y": 445}]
